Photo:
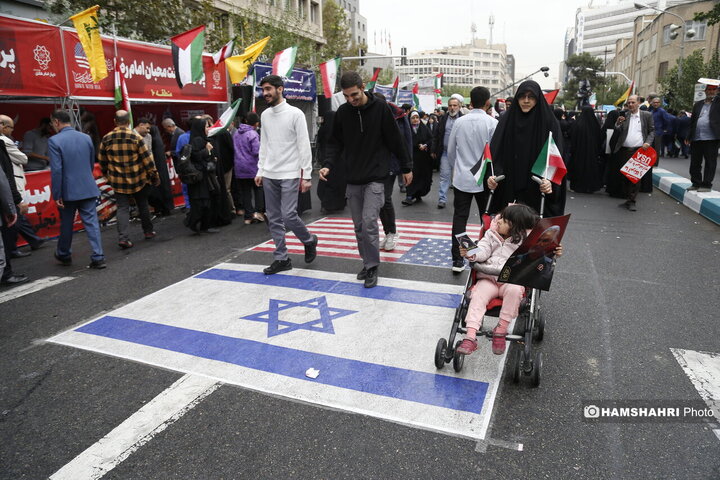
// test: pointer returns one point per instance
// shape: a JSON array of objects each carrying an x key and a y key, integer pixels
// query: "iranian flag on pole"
[
  {"x": 329, "y": 71},
  {"x": 438, "y": 90},
  {"x": 416, "y": 98},
  {"x": 373, "y": 81},
  {"x": 224, "y": 121},
  {"x": 187, "y": 49},
  {"x": 549, "y": 163},
  {"x": 284, "y": 62},
  {"x": 122, "y": 102},
  {"x": 478, "y": 171},
  {"x": 224, "y": 52}
]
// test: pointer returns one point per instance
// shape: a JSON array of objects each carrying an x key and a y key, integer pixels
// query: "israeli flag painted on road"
[{"x": 373, "y": 347}]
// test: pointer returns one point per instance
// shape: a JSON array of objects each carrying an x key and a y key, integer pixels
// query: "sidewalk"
[{"x": 672, "y": 178}]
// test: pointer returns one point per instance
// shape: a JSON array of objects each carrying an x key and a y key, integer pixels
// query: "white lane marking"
[
  {"x": 32, "y": 287},
  {"x": 703, "y": 369},
  {"x": 138, "y": 429}
]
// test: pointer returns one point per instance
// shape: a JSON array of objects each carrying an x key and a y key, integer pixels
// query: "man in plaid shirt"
[{"x": 128, "y": 167}]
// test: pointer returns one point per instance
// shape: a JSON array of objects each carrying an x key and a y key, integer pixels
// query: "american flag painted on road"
[{"x": 420, "y": 243}]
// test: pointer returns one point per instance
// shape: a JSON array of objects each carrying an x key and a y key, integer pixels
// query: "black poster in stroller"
[{"x": 533, "y": 263}]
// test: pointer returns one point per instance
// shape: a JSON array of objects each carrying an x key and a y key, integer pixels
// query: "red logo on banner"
[{"x": 639, "y": 164}]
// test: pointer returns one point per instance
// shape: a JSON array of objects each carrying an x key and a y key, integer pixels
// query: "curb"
[{"x": 706, "y": 204}]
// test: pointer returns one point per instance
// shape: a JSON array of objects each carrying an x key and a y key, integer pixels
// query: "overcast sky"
[{"x": 533, "y": 31}]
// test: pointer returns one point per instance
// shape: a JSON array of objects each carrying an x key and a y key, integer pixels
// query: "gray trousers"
[
  {"x": 281, "y": 198},
  {"x": 365, "y": 202}
]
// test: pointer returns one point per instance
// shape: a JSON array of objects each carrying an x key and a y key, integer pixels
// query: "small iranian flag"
[
  {"x": 478, "y": 171},
  {"x": 549, "y": 163},
  {"x": 329, "y": 71},
  {"x": 122, "y": 102},
  {"x": 373, "y": 81},
  {"x": 395, "y": 89},
  {"x": 224, "y": 121},
  {"x": 224, "y": 52},
  {"x": 284, "y": 62},
  {"x": 438, "y": 90},
  {"x": 187, "y": 49},
  {"x": 416, "y": 98}
]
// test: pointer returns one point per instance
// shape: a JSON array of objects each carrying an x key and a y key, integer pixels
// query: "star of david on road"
[{"x": 278, "y": 327}]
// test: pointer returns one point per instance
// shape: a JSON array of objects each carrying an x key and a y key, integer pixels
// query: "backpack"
[{"x": 185, "y": 169}]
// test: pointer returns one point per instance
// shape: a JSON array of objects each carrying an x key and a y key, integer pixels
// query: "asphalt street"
[{"x": 631, "y": 286}]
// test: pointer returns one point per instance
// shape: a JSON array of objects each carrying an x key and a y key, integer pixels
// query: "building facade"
[
  {"x": 652, "y": 52},
  {"x": 478, "y": 63},
  {"x": 356, "y": 22}
]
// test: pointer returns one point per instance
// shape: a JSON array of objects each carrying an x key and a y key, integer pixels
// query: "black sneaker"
[
  {"x": 97, "y": 264},
  {"x": 278, "y": 266},
  {"x": 458, "y": 266},
  {"x": 441, "y": 205},
  {"x": 371, "y": 277},
  {"x": 362, "y": 274},
  {"x": 65, "y": 261},
  {"x": 311, "y": 249}
]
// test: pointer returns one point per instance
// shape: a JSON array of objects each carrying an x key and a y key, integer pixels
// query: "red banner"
[
  {"x": 638, "y": 165},
  {"x": 148, "y": 70},
  {"x": 31, "y": 59}
]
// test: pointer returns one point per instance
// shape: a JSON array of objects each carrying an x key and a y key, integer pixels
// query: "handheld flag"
[
  {"x": 224, "y": 52},
  {"x": 415, "y": 97},
  {"x": 551, "y": 96},
  {"x": 239, "y": 65},
  {"x": 224, "y": 121},
  {"x": 549, "y": 163},
  {"x": 395, "y": 86},
  {"x": 370, "y": 87},
  {"x": 122, "y": 101},
  {"x": 284, "y": 62},
  {"x": 621, "y": 101},
  {"x": 438, "y": 90},
  {"x": 329, "y": 71},
  {"x": 480, "y": 168},
  {"x": 88, "y": 30},
  {"x": 187, "y": 49}
]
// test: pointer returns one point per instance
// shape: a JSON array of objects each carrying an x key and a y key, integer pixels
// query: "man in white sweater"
[{"x": 284, "y": 168}]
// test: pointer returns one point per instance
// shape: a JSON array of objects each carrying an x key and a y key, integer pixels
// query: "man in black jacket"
[
  {"x": 704, "y": 140},
  {"x": 10, "y": 199},
  {"x": 363, "y": 137}
]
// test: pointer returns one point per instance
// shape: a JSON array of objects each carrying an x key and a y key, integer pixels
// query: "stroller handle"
[{"x": 498, "y": 179}]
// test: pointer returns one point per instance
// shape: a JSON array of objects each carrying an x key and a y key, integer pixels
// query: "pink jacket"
[{"x": 494, "y": 252}]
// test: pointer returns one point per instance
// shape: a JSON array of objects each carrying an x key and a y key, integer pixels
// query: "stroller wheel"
[
  {"x": 458, "y": 358},
  {"x": 516, "y": 364},
  {"x": 539, "y": 332},
  {"x": 537, "y": 370},
  {"x": 440, "y": 353}
]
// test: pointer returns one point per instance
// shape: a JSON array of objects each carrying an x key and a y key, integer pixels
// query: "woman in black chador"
[
  {"x": 201, "y": 216},
  {"x": 422, "y": 163},
  {"x": 583, "y": 165},
  {"x": 613, "y": 177},
  {"x": 519, "y": 137}
]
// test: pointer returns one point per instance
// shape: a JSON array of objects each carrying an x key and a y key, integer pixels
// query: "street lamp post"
[
  {"x": 690, "y": 33},
  {"x": 541, "y": 69}
]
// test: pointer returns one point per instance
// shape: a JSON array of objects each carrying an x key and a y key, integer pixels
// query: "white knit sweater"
[{"x": 284, "y": 144}]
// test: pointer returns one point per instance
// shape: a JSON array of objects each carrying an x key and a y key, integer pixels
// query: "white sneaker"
[
  {"x": 390, "y": 241},
  {"x": 382, "y": 242}
]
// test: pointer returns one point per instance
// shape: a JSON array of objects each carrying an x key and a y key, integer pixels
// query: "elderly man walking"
[{"x": 441, "y": 139}]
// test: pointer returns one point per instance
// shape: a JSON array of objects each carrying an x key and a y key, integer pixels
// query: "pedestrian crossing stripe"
[{"x": 373, "y": 347}]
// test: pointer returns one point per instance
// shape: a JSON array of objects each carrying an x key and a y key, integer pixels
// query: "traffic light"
[
  {"x": 362, "y": 57},
  {"x": 403, "y": 56}
]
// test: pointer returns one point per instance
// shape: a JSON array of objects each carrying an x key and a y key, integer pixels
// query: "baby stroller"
[{"x": 529, "y": 326}]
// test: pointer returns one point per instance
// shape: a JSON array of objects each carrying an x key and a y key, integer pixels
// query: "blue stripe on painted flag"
[
  {"x": 421, "y": 387},
  {"x": 391, "y": 294}
]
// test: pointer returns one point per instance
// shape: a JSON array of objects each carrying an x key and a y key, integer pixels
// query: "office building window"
[{"x": 699, "y": 28}]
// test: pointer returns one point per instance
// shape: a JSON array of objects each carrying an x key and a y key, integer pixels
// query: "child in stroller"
[{"x": 507, "y": 231}]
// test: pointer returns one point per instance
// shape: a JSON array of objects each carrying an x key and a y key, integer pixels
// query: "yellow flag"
[
  {"x": 239, "y": 64},
  {"x": 88, "y": 30},
  {"x": 621, "y": 101}
]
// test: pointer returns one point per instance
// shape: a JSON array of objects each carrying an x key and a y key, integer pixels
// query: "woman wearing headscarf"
[
  {"x": 201, "y": 217},
  {"x": 519, "y": 137},
  {"x": 422, "y": 162},
  {"x": 613, "y": 177},
  {"x": 584, "y": 161},
  {"x": 160, "y": 198}
]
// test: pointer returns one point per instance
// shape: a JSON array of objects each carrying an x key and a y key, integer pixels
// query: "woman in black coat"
[
  {"x": 201, "y": 217},
  {"x": 584, "y": 162},
  {"x": 422, "y": 162},
  {"x": 160, "y": 197}
]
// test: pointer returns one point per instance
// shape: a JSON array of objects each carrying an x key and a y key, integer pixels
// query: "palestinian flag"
[
  {"x": 284, "y": 62},
  {"x": 122, "y": 102},
  {"x": 549, "y": 163},
  {"x": 621, "y": 101},
  {"x": 416, "y": 98},
  {"x": 187, "y": 49},
  {"x": 551, "y": 96},
  {"x": 395, "y": 89},
  {"x": 329, "y": 71},
  {"x": 224, "y": 121},
  {"x": 373, "y": 81},
  {"x": 438, "y": 90},
  {"x": 224, "y": 52},
  {"x": 480, "y": 169}
]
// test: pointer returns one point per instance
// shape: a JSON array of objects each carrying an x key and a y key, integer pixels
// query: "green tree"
[
  {"x": 609, "y": 94},
  {"x": 679, "y": 90},
  {"x": 583, "y": 66},
  {"x": 712, "y": 16}
]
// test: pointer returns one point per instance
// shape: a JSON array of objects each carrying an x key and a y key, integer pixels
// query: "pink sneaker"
[
  {"x": 498, "y": 342},
  {"x": 467, "y": 347}
]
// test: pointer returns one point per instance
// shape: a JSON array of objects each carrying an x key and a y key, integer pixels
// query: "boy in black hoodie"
[{"x": 363, "y": 137}]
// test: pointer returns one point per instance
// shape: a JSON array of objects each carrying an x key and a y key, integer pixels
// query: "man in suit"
[
  {"x": 9, "y": 200},
  {"x": 704, "y": 140},
  {"x": 72, "y": 159},
  {"x": 635, "y": 129}
]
